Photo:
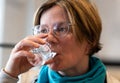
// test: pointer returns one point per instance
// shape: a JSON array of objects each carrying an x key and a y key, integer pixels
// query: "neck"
[{"x": 78, "y": 69}]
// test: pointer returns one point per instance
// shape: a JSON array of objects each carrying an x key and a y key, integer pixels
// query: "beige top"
[{"x": 111, "y": 79}]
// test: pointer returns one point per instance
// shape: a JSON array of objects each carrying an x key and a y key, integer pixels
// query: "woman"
[{"x": 72, "y": 28}]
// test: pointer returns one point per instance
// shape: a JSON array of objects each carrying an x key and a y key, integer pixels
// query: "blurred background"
[{"x": 16, "y": 22}]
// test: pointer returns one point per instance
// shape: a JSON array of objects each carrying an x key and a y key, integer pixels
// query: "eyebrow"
[{"x": 58, "y": 23}]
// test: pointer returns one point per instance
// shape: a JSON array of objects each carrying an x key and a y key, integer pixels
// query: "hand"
[{"x": 21, "y": 59}]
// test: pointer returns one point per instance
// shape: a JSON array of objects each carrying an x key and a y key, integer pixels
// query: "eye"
[
  {"x": 44, "y": 29},
  {"x": 60, "y": 29}
]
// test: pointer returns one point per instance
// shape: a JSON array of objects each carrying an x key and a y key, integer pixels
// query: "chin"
[{"x": 55, "y": 67}]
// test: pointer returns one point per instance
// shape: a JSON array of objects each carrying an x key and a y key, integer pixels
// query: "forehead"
[{"x": 56, "y": 14}]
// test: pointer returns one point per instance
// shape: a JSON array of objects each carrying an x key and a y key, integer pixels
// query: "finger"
[
  {"x": 35, "y": 39},
  {"x": 41, "y": 35},
  {"x": 28, "y": 56},
  {"x": 26, "y": 45},
  {"x": 23, "y": 53},
  {"x": 37, "y": 60}
]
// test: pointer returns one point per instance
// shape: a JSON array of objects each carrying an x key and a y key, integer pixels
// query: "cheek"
[
  {"x": 72, "y": 52},
  {"x": 69, "y": 50},
  {"x": 69, "y": 45}
]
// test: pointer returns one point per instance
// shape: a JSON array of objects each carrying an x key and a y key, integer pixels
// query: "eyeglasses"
[{"x": 59, "y": 30}]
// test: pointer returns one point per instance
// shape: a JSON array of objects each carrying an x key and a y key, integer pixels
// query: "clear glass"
[{"x": 44, "y": 52}]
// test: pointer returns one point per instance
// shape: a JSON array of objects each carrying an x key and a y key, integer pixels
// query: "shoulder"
[{"x": 111, "y": 79}]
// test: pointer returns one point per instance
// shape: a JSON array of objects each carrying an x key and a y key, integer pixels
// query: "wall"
[
  {"x": 110, "y": 13},
  {"x": 16, "y": 24},
  {"x": 2, "y": 6}
]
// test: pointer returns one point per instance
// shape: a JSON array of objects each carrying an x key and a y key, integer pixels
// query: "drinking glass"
[{"x": 44, "y": 52}]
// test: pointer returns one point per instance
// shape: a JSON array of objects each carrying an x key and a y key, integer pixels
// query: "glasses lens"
[
  {"x": 61, "y": 30},
  {"x": 40, "y": 29},
  {"x": 36, "y": 30}
]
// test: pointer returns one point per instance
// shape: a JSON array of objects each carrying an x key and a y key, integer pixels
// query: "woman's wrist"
[
  {"x": 6, "y": 78},
  {"x": 10, "y": 74}
]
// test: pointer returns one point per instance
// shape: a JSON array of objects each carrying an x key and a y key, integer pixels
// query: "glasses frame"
[{"x": 36, "y": 30}]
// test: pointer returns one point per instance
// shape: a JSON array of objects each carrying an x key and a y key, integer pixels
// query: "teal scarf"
[{"x": 96, "y": 74}]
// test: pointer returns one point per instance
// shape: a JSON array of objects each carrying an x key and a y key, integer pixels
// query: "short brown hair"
[{"x": 84, "y": 17}]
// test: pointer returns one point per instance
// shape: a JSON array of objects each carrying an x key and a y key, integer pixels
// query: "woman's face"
[{"x": 70, "y": 54}]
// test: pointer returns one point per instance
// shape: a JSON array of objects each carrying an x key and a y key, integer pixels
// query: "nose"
[{"x": 51, "y": 38}]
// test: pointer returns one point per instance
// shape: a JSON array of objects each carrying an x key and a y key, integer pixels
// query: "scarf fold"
[{"x": 96, "y": 74}]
